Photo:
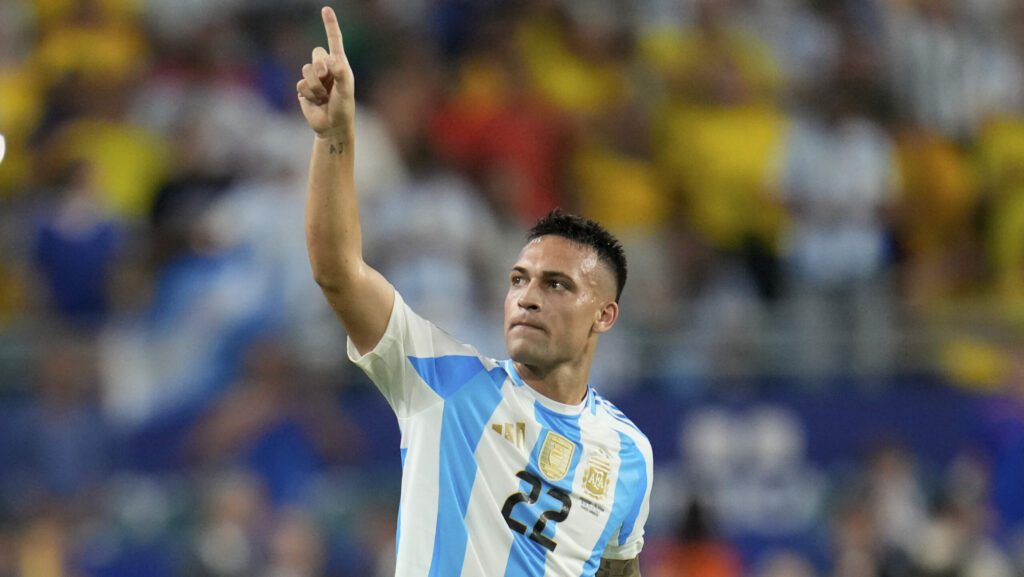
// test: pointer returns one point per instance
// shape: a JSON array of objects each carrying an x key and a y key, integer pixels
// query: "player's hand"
[{"x": 327, "y": 89}]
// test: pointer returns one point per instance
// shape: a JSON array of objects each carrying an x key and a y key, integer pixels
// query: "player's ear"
[{"x": 606, "y": 317}]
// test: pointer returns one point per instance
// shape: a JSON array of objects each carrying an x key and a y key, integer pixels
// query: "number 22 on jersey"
[{"x": 556, "y": 516}]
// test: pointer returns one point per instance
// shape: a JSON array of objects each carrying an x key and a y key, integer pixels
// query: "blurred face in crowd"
[
  {"x": 297, "y": 546},
  {"x": 941, "y": 10},
  {"x": 711, "y": 14},
  {"x": 1017, "y": 27},
  {"x": 1015, "y": 382},
  {"x": 560, "y": 297},
  {"x": 64, "y": 375}
]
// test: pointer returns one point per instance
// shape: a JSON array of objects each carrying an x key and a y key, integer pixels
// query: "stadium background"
[{"x": 822, "y": 203}]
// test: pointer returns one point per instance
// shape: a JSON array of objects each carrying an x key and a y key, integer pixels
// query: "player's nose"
[{"x": 529, "y": 297}]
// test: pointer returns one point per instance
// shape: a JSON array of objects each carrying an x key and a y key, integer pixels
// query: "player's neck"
[{"x": 565, "y": 383}]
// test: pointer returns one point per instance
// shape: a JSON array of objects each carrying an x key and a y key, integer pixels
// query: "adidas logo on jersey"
[{"x": 514, "y": 433}]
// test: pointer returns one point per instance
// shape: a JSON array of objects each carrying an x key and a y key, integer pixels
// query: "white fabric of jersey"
[{"x": 497, "y": 479}]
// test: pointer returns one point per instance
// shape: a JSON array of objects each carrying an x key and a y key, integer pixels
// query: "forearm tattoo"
[{"x": 337, "y": 147}]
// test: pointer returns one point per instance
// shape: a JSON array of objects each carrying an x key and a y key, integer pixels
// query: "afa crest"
[
  {"x": 596, "y": 475},
  {"x": 555, "y": 456}
]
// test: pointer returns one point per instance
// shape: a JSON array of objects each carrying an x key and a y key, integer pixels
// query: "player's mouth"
[{"x": 526, "y": 325}]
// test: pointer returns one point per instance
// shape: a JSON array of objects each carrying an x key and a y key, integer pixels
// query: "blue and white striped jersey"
[{"x": 498, "y": 479}]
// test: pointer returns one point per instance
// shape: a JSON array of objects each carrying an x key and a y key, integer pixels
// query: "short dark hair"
[{"x": 585, "y": 232}]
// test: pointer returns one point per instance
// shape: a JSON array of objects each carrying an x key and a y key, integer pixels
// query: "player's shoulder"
[
  {"x": 428, "y": 339},
  {"x": 612, "y": 417}
]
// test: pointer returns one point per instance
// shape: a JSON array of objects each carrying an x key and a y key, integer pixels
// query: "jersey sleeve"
[
  {"x": 391, "y": 365},
  {"x": 628, "y": 540}
]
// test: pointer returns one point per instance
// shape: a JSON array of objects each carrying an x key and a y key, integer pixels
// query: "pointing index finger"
[{"x": 333, "y": 30}]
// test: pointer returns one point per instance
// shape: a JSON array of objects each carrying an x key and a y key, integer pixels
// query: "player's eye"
[
  {"x": 517, "y": 280},
  {"x": 557, "y": 284}
]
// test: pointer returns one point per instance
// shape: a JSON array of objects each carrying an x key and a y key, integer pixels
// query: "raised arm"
[{"x": 359, "y": 295}]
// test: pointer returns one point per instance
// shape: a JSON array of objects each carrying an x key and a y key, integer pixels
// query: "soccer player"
[{"x": 515, "y": 467}]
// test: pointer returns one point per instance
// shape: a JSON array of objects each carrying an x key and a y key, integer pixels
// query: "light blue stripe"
[
  {"x": 398, "y": 527},
  {"x": 510, "y": 368},
  {"x": 527, "y": 558},
  {"x": 629, "y": 491},
  {"x": 446, "y": 375},
  {"x": 633, "y": 461},
  {"x": 463, "y": 421},
  {"x": 619, "y": 415}
]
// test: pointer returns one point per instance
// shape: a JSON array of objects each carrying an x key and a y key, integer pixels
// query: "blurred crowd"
[
  {"x": 747, "y": 499},
  {"x": 803, "y": 186},
  {"x": 812, "y": 189}
]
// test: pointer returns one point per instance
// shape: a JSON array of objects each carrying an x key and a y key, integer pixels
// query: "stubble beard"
[{"x": 529, "y": 352}]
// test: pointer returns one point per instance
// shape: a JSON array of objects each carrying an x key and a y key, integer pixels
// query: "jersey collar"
[{"x": 587, "y": 403}]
